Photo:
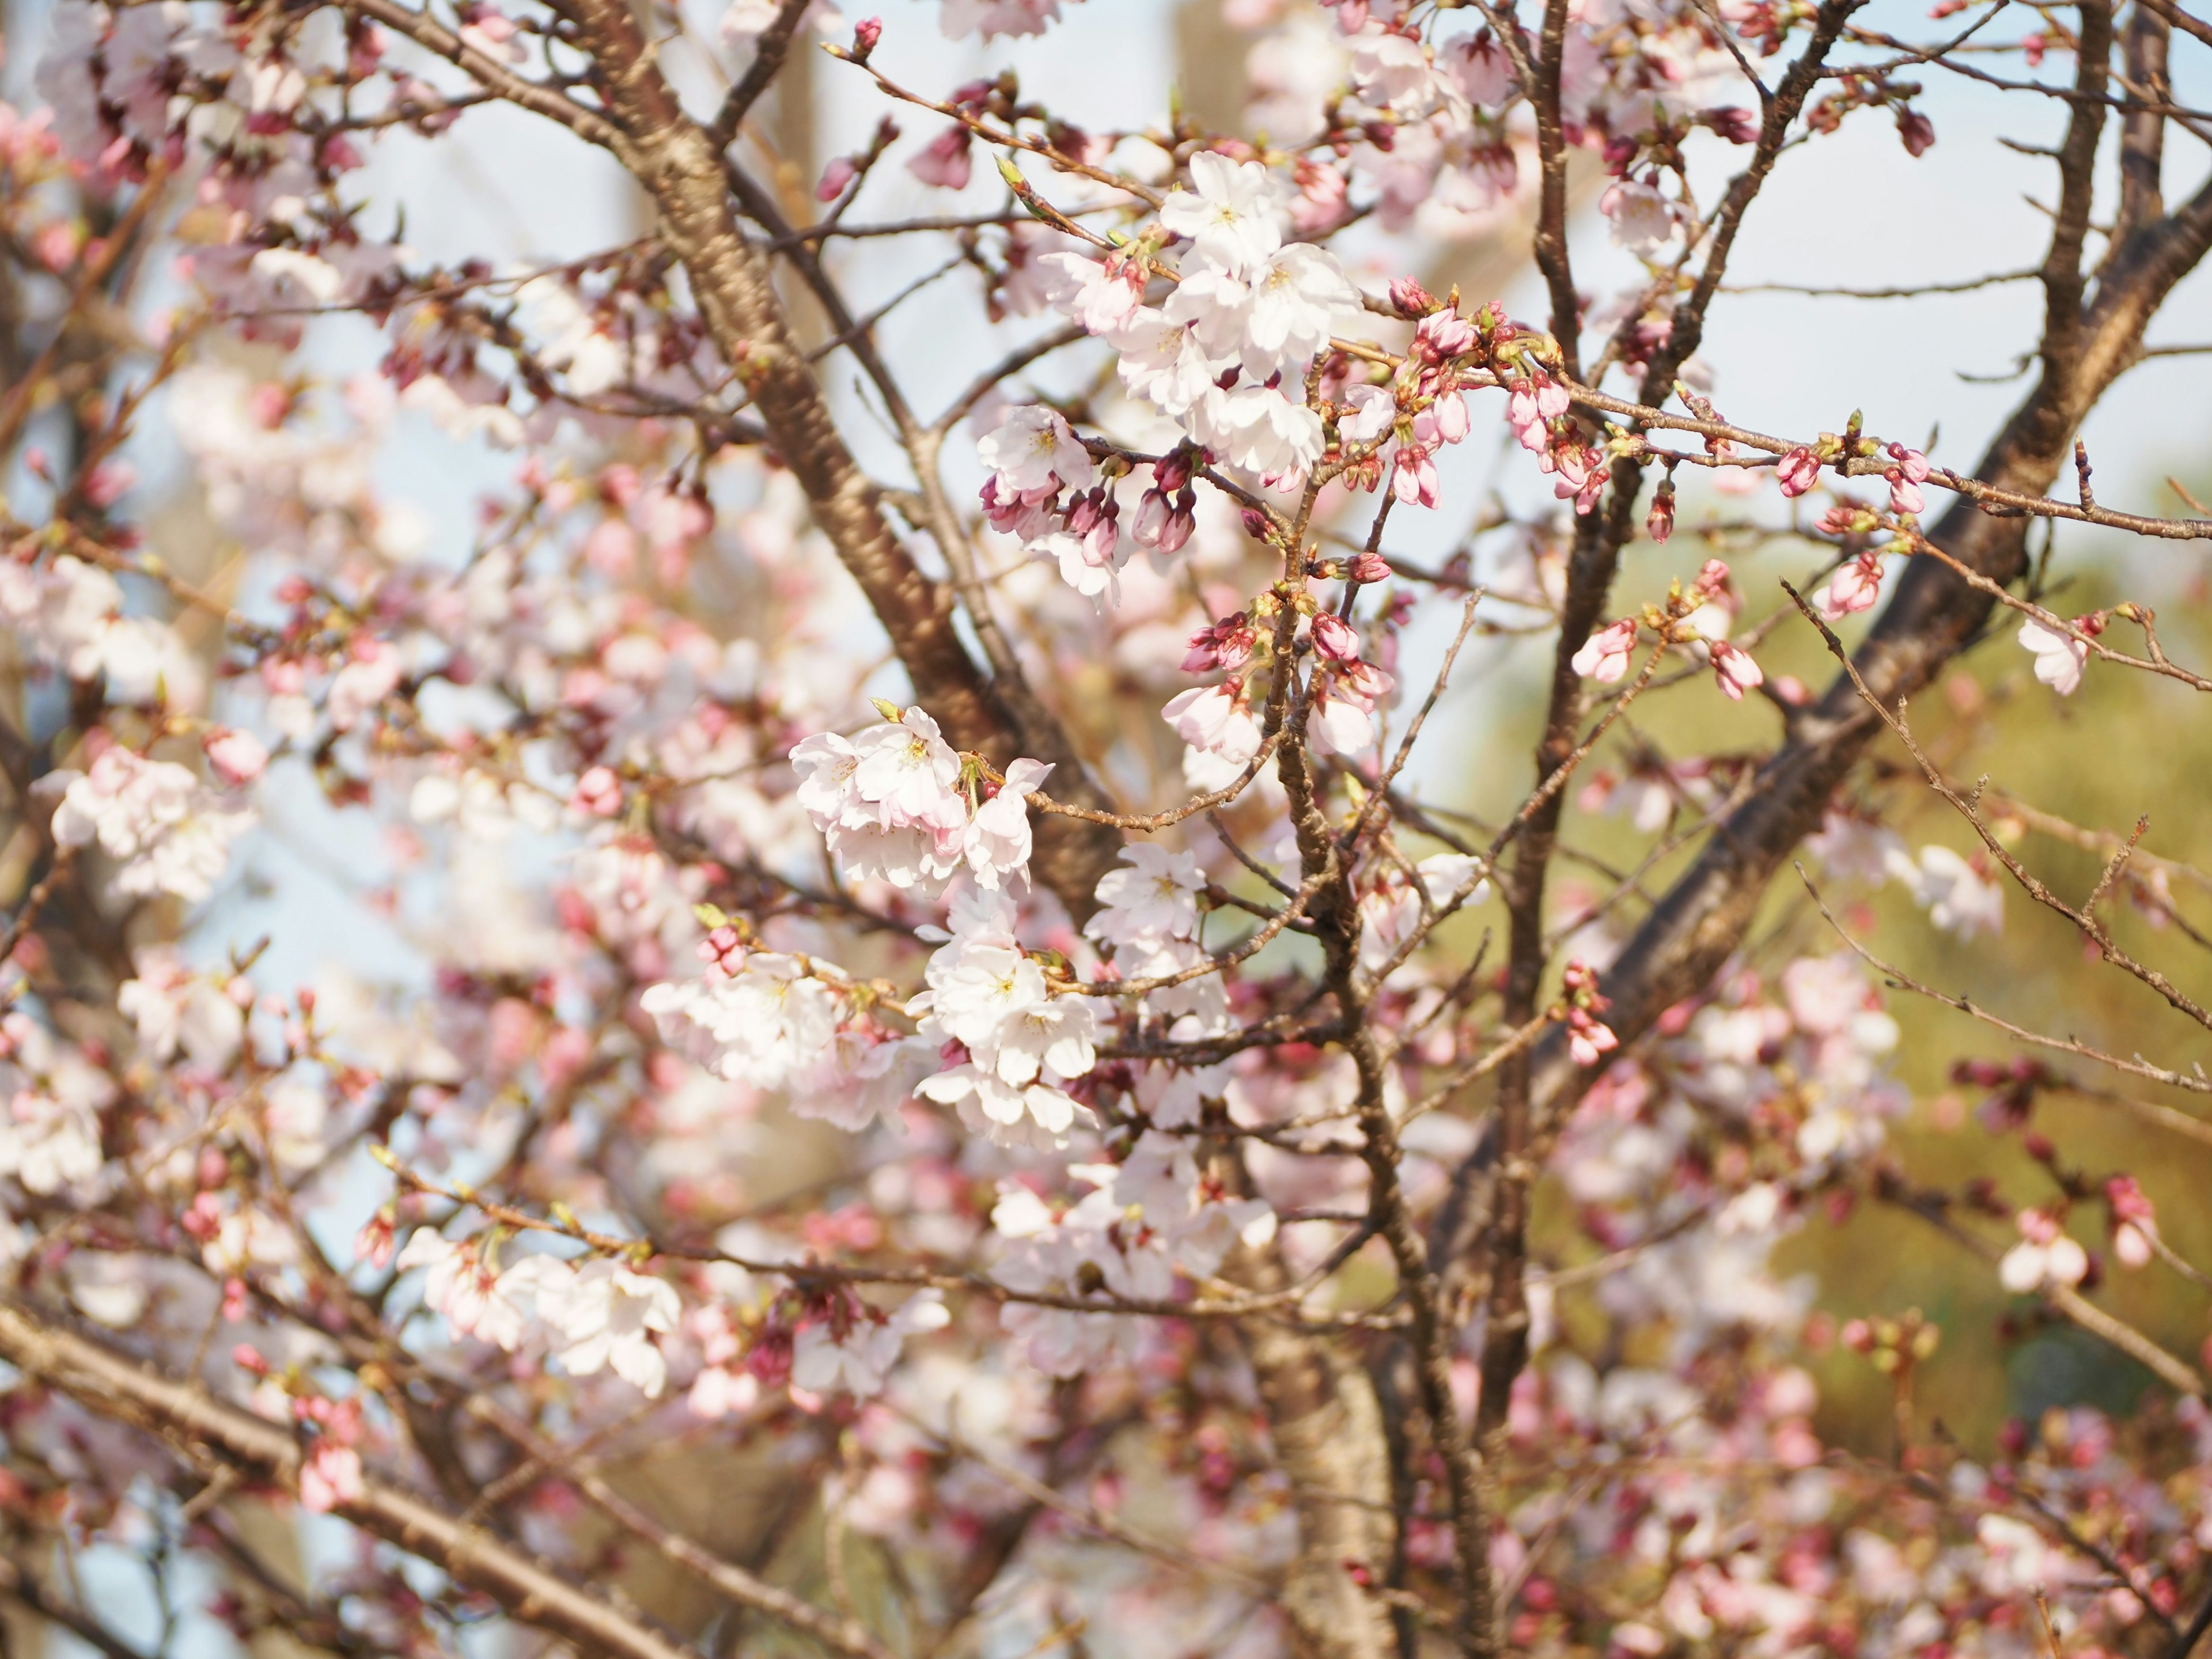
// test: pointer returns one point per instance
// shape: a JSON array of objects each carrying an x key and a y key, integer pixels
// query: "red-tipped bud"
[
  {"x": 1334, "y": 638},
  {"x": 1412, "y": 300}
]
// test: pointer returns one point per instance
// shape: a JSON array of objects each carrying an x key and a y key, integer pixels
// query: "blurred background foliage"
[{"x": 2127, "y": 745}]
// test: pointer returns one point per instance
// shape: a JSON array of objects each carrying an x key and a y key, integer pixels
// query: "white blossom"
[
  {"x": 998, "y": 842},
  {"x": 48, "y": 1144},
  {"x": 167, "y": 832},
  {"x": 604, "y": 1315},
  {"x": 1958, "y": 898},
  {"x": 461, "y": 1285},
  {"x": 2059, "y": 658},
  {"x": 1275, "y": 318},
  {"x": 1156, "y": 895},
  {"x": 1643, "y": 221},
  {"x": 1232, "y": 213},
  {"x": 1034, "y": 448},
  {"x": 766, "y": 1025},
  {"x": 1259, "y": 427},
  {"x": 172, "y": 1009},
  {"x": 860, "y": 1361},
  {"x": 1215, "y": 718}
]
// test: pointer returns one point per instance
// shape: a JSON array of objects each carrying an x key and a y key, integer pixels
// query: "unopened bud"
[{"x": 1412, "y": 300}]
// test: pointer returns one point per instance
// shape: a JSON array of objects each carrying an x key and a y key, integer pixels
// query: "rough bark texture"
[
  {"x": 679, "y": 166},
  {"x": 1327, "y": 1431},
  {"x": 1321, "y": 1409}
]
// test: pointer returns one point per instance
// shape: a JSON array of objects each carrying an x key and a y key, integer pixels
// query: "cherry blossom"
[
  {"x": 1853, "y": 588},
  {"x": 605, "y": 1314},
  {"x": 1959, "y": 898},
  {"x": 167, "y": 832},
  {"x": 659, "y": 962},
  {"x": 1033, "y": 449},
  {"x": 1215, "y": 719},
  {"x": 998, "y": 842},
  {"x": 1604, "y": 656},
  {"x": 2059, "y": 658},
  {"x": 48, "y": 1144},
  {"x": 1232, "y": 214},
  {"x": 2045, "y": 1256},
  {"x": 1156, "y": 895},
  {"x": 858, "y": 1360}
]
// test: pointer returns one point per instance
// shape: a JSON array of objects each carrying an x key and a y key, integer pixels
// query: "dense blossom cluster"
[{"x": 1077, "y": 1086}]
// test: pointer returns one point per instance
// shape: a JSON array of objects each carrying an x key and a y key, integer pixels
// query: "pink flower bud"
[
  {"x": 1411, "y": 299},
  {"x": 1369, "y": 567},
  {"x": 1334, "y": 638},
  {"x": 1905, "y": 495},
  {"x": 1737, "y": 125},
  {"x": 1604, "y": 655},
  {"x": 866, "y": 33},
  {"x": 1227, "y": 644},
  {"x": 1798, "y": 470},
  {"x": 597, "y": 793},
  {"x": 2131, "y": 1244},
  {"x": 1734, "y": 670},
  {"x": 1588, "y": 1040},
  {"x": 106, "y": 484},
  {"x": 1449, "y": 418},
  {"x": 1180, "y": 524},
  {"x": 1853, "y": 588},
  {"x": 237, "y": 756},
  {"x": 1413, "y": 476},
  {"x": 723, "y": 952},
  {"x": 944, "y": 162},
  {"x": 2128, "y": 1200},
  {"x": 1661, "y": 523},
  {"x": 1443, "y": 335},
  {"x": 1916, "y": 131},
  {"x": 839, "y": 173}
]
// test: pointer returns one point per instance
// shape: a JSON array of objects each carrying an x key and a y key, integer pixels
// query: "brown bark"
[{"x": 680, "y": 166}]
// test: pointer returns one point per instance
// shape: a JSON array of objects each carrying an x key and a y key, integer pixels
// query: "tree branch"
[{"x": 210, "y": 1435}]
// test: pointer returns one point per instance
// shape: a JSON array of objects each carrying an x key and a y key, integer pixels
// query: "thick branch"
[
  {"x": 679, "y": 164},
  {"x": 213, "y": 1436},
  {"x": 1934, "y": 612}
]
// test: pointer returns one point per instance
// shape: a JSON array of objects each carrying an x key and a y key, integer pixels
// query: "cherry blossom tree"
[{"x": 1012, "y": 894}]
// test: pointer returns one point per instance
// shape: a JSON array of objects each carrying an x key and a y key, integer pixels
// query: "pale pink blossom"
[
  {"x": 1034, "y": 448},
  {"x": 1103, "y": 294},
  {"x": 238, "y": 757},
  {"x": 1642, "y": 219},
  {"x": 1232, "y": 213},
  {"x": 1215, "y": 719},
  {"x": 1855, "y": 586},
  {"x": 330, "y": 1477},
  {"x": 944, "y": 161},
  {"x": 2059, "y": 658},
  {"x": 1734, "y": 670},
  {"x": 998, "y": 840},
  {"x": 1604, "y": 656}
]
